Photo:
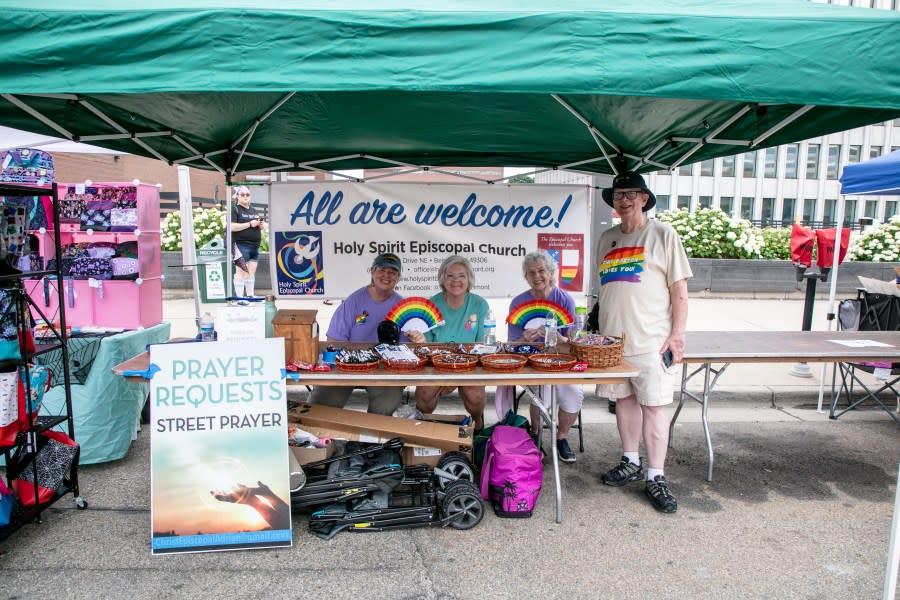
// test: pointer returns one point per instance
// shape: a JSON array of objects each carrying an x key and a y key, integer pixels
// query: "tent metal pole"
[{"x": 832, "y": 289}]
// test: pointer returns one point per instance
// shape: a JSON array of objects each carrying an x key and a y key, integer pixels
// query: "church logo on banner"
[
  {"x": 219, "y": 459},
  {"x": 299, "y": 267}
]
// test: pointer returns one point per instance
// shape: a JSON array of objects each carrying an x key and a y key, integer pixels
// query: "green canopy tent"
[{"x": 580, "y": 84}]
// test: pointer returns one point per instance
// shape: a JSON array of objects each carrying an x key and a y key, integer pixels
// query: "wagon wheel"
[
  {"x": 462, "y": 505},
  {"x": 457, "y": 465}
]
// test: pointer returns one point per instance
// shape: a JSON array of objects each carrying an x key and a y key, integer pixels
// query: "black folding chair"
[{"x": 867, "y": 312}]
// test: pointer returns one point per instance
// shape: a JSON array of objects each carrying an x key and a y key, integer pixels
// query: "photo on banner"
[
  {"x": 219, "y": 464},
  {"x": 326, "y": 234}
]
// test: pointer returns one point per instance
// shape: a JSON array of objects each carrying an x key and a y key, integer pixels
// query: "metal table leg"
[
  {"x": 550, "y": 418},
  {"x": 708, "y": 385}
]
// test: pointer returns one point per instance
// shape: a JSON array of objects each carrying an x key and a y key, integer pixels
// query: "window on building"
[
  {"x": 809, "y": 210},
  {"x": 685, "y": 169},
  {"x": 662, "y": 202},
  {"x": 874, "y": 151},
  {"x": 767, "y": 215},
  {"x": 747, "y": 203},
  {"x": 896, "y": 122},
  {"x": 749, "y": 164},
  {"x": 828, "y": 213},
  {"x": 771, "y": 170},
  {"x": 787, "y": 210},
  {"x": 728, "y": 166},
  {"x": 705, "y": 201},
  {"x": 849, "y": 213},
  {"x": 871, "y": 209},
  {"x": 792, "y": 153},
  {"x": 854, "y": 154},
  {"x": 812, "y": 161},
  {"x": 684, "y": 202},
  {"x": 726, "y": 204},
  {"x": 895, "y": 148},
  {"x": 890, "y": 209},
  {"x": 707, "y": 168},
  {"x": 834, "y": 161}
]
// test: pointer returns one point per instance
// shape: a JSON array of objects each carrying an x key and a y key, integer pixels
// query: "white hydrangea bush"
[
  {"x": 879, "y": 244},
  {"x": 711, "y": 233},
  {"x": 208, "y": 223}
]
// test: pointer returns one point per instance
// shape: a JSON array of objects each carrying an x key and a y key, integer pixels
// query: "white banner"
[{"x": 324, "y": 235}]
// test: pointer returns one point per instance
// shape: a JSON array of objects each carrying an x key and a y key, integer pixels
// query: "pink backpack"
[{"x": 511, "y": 474}]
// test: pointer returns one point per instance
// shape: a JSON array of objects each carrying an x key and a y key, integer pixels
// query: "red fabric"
[
  {"x": 9, "y": 432},
  {"x": 25, "y": 489},
  {"x": 825, "y": 252},
  {"x": 802, "y": 242}
]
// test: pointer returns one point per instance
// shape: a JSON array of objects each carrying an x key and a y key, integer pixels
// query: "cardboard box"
[
  {"x": 300, "y": 332},
  {"x": 420, "y": 455},
  {"x": 371, "y": 427},
  {"x": 308, "y": 454}
]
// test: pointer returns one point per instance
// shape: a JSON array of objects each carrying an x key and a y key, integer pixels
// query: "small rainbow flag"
[
  {"x": 538, "y": 309},
  {"x": 415, "y": 307}
]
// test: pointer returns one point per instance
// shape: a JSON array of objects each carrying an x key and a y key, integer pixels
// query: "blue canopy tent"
[{"x": 876, "y": 177}]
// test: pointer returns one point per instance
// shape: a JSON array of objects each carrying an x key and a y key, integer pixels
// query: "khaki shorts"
[{"x": 653, "y": 387}]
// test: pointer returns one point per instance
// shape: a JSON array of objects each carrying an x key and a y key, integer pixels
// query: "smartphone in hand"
[{"x": 667, "y": 358}]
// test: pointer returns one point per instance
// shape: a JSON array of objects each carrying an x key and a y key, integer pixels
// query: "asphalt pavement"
[{"x": 799, "y": 507}]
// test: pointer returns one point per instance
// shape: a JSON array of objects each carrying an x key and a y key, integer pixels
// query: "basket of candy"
[
  {"x": 504, "y": 363},
  {"x": 399, "y": 357},
  {"x": 356, "y": 360},
  {"x": 455, "y": 363},
  {"x": 598, "y": 351},
  {"x": 551, "y": 362},
  {"x": 428, "y": 351}
]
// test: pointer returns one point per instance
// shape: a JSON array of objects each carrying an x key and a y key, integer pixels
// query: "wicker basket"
[
  {"x": 503, "y": 363},
  {"x": 357, "y": 367},
  {"x": 599, "y": 356},
  {"x": 454, "y": 363},
  {"x": 405, "y": 366},
  {"x": 551, "y": 362}
]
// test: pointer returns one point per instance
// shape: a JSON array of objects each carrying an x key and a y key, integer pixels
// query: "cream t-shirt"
[{"x": 636, "y": 270}]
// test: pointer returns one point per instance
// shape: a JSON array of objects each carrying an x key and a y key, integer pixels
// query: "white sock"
[
  {"x": 652, "y": 473},
  {"x": 238, "y": 287},
  {"x": 248, "y": 286},
  {"x": 633, "y": 457}
]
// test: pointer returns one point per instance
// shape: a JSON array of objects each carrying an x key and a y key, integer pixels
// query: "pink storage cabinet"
[
  {"x": 79, "y": 300},
  {"x": 122, "y": 303}
]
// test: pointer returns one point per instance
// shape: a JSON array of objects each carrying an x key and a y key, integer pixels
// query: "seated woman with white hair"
[{"x": 541, "y": 272}]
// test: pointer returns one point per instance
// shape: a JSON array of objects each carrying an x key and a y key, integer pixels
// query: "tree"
[{"x": 521, "y": 179}]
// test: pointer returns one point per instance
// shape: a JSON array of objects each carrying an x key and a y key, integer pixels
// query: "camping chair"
[
  {"x": 576, "y": 425},
  {"x": 867, "y": 312}
]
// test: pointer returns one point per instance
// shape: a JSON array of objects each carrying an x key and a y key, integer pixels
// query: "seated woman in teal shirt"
[{"x": 464, "y": 314}]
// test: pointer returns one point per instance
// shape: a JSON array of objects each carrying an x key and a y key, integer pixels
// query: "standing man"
[
  {"x": 643, "y": 272},
  {"x": 247, "y": 228}
]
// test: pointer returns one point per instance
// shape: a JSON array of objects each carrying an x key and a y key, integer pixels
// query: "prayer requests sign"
[
  {"x": 324, "y": 232},
  {"x": 219, "y": 455}
]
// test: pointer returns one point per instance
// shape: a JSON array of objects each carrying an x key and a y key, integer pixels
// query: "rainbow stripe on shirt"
[{"x": 623, "y": 265}]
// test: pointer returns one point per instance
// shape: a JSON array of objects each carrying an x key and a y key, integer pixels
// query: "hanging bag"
[
  {"x": 6, "y": 503},
  {"x": 56, "y": 454},
  {"x": 12, "y": 408}
]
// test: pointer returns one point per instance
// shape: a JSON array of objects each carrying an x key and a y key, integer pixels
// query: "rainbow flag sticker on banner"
[
  {"x": 524, "y": 314},
  {"x": 415, "y": 314}
]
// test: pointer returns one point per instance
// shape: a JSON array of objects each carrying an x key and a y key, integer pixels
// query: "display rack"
[
  {"x": 20, "y": 456},
  {"x": 131, "y": 303}
]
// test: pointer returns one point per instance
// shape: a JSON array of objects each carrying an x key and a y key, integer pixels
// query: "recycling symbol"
[{"x": 214, "y": 276}]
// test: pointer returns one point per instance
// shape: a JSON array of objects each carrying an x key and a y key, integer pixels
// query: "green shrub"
[
  {"x": 776, "y": 243},
  {"x": 710, "y": 233},
  {"x": 208, "y": 224},
  {"x": 879, "y": 244}
]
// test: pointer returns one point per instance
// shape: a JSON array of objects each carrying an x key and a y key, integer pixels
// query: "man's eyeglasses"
[
  {"x": 631, "y": 195},
  {"x": 247, "y": 195}
]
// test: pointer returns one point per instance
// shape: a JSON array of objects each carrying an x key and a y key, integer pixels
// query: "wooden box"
[{"x": 300, "y": 332}]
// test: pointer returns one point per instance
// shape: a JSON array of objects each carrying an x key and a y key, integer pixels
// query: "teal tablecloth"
[{"x": 106, "y": 407}]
